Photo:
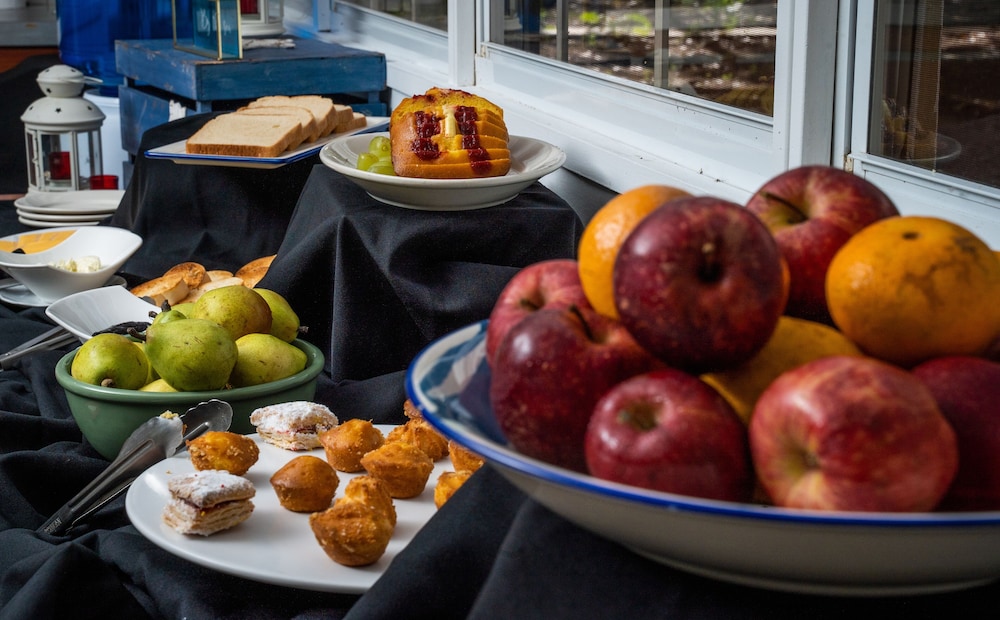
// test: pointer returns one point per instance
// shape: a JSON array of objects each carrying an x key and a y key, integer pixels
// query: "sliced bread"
[
  {"x": 242, "y": 135},
  {"x": 322, "y": 108},
  {"x": 357, "y": 120},
  {"x": 310, "y": 124}
]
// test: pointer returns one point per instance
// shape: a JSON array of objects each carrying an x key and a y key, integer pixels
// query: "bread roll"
[{"x": 448, "y": 134}]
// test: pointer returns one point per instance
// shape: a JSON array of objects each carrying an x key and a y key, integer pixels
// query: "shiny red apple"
[
  {"x": 546, "y": 284},
  {"x": 812, "y": 211},
  {"x": 967, "y": 389},
  {"x": 669, "y": 431},
  {"x": 852, "y": 433},
  {"x": 699, "y": 283},
  {"x": 548, "y": 373}
]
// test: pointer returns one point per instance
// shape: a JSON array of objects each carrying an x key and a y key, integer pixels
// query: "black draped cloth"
[{"x": 374, "y": 284}]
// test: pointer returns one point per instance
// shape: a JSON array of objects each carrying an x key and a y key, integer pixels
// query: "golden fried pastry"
[
  {"x": 346, "y": 443},
  {"x": 293, "y": 425},
  {"x": 447, "y": 483},
  {"x": 208, "y": 501},
  {"x": 402, "y": 467},
  {"x": 419, "y": 432},
  {"x": 305, "y": 484},
  {"x": 223, "y": 450},
  {"x": 371, "y": 491},
  {"x": 463, "y": 459},
  {"x": 352, "y": 533},
  {"x": 410, "y": 410}
]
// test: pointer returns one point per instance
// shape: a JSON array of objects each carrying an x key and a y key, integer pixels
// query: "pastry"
[
  {"x": 293, "y": 425},
  {"x": 352, "y": 533},
  {"x": 223, "y": 450},
  {"x": 208, "y": 501},
  {"x": 371, "y": 491},
  {"x": 419, "y": 432},
  {"x": 463, "y": 459},
  {"x": 346, "y": 443},
  {"x": 402, "y": 467},
  {"x": 448, "y": 134},
  {"x": 447, "y": 483},
  {"x": 305, "y": 484}
]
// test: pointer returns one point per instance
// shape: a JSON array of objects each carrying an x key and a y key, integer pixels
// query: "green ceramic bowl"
[{"x": 107, "y": 416}]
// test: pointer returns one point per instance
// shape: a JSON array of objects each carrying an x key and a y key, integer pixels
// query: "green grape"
[
  {"x": 380, "y": 146},
  {"x": 382, "y": 168},
  {"x": 365, "y": 160}
]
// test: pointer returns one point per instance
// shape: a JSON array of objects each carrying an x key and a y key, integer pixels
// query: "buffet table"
[{"x": 374, "y": 284}]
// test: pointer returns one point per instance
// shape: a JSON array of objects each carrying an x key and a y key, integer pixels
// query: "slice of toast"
[
  {"x": 310, "y": 124},
  {"x": 242, "y": 135}
]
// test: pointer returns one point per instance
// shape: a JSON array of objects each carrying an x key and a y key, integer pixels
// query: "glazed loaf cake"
[{"x": 448, "y": 134}]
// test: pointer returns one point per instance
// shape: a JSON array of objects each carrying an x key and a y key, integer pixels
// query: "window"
[
  {"x": 936, "y": 104},
  {"x": 723, "y": 51},
  {"x": 433, "y": 13}
]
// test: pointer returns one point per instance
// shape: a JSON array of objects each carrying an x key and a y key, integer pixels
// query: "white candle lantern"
[
  {"x": 262, "y": 17},
  {"x": 62, "y": 133}
]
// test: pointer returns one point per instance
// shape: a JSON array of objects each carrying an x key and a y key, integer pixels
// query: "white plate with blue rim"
[{"x": 815, "y": 552}]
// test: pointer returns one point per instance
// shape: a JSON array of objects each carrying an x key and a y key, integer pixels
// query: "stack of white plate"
[{"x": 71, "y": 208}]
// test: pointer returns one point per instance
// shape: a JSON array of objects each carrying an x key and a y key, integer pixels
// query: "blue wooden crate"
[{"x": 156, "y": 74}]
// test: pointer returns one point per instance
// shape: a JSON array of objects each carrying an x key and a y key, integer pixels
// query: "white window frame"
[
  {"x": 621, "y": 134},
  {"x": 915, "y": 191}
]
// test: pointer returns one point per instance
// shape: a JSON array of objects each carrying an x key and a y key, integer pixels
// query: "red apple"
[
  {"x": 669, "y": 431},
  {"x": 547, "y": 374},
  {"x": 547, "y": 284},
  {"x": 967, "y": 390},
  {"x": 852, "y": 433},
  {"x": 812, "y": 211},
  {"x": 700, "y": 284}
]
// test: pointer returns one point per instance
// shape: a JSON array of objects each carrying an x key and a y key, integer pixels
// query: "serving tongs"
[
  {"x": 157, "y": 439},
  {"x": 52, "y": 339}
]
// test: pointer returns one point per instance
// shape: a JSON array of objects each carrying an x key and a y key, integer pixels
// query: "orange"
[
  {"x": 909, "y": 288},
  {"x": 604, "y": 234},
  {"x": 794, "y": 342}
]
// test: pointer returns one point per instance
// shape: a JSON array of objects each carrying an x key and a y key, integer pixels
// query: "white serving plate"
[
  {"x": 830, "y": 553},
  {"x": 91, "y": 311},
  {"x": 175, "y": 151},
  {"x": 96, "y": 203},
  {"x": 531, "y": 159},
  {"x": 274, "y": 545}
]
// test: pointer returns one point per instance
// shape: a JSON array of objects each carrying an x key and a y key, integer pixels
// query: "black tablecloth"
[{"x": 369, "y": 301}]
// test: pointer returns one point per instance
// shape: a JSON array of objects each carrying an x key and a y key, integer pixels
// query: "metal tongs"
[
  {"x": 157, "y": 439},
  {"x": 52, "y": 339}
]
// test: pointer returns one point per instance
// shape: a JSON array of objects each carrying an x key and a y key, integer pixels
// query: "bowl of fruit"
[
  {"x": 235, "y": 344},
  {"x": 670, "y": 394}
]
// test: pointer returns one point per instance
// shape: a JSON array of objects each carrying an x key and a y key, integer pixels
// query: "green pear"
[
  {"x": 157, "y": 385},
  {"x": 110, "y": 360},
  {"x": 142, "y": 347},
  {"x": 284, "y": 321},
  {"x": 184, "y": 308},
  {"x": 168, "y": 315},
  {"x": 192, "y": 354},
  {"x": 264, "y": 358},
  {"x": 240, "y": 310}
]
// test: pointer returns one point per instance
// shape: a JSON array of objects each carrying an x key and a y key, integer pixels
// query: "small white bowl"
[
  {"x": 113, "y": 246},
  {"x": 82, "y": 314}
]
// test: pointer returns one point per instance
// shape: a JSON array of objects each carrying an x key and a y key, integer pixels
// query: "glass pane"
[
  {"x": 721, "y": 50},
  {"x": 432, "y": 13},
  {"x": 939, "y": 103}
]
